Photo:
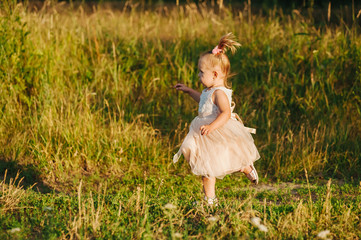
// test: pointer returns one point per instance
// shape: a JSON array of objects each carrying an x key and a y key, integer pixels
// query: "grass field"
[{"x": 88, "y": 115}]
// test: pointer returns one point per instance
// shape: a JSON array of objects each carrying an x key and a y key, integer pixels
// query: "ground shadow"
[{"x": 29, "y": 174}]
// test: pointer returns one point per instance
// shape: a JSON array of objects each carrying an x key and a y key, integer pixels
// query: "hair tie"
[{"x": 216, "y": 50}]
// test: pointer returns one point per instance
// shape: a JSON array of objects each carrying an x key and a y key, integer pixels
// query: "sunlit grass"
[{"x": 86, "y": 99}]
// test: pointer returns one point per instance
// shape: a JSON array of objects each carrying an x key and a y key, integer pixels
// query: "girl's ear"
[{"x": 215, "y": 74}]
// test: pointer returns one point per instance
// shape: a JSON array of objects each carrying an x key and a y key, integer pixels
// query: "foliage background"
[{"x": 87, "y": 102}]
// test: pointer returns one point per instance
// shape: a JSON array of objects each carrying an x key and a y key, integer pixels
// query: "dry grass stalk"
[
  {"x": 326, "y": 211},
  {"x": 11, "y": 193},
  {"x": 86, "y": 224},
  {"x": 295, "y": 223}
]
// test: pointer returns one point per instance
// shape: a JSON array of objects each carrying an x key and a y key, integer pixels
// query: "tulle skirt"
[{"x": 227, "y": 149}]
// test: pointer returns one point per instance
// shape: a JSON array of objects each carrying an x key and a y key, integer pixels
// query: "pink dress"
[{"x": 227, "y": 149}]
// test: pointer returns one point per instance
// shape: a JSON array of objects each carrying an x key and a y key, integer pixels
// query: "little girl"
[{"x": 217, "y": 143}]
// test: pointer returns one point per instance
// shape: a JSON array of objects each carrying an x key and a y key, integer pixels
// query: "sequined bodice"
[{"x": 206, "y": 106}]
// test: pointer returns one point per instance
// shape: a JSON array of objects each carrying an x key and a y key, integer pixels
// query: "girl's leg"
[
  {"x": 247, "y": 170},
  {"x": 209, "y": 186}
]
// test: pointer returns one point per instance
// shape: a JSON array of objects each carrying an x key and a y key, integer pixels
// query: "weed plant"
[{"x": 87, "y": 111}]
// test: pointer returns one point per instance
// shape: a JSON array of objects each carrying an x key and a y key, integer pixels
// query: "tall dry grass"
[
  {"x": 86, "y": 93},
  {"x": 86, "y": 101}
]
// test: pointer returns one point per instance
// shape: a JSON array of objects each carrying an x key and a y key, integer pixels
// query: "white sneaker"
[
  {"x": 211, "y": 201},
  {"x": 253, "y": 175}
]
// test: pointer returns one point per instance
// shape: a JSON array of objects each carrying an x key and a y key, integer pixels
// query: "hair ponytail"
[{"x": 227, "y": 42}]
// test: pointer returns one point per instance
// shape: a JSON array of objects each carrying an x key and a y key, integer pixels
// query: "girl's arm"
[
  {"x": 221, "y": 100},
  {"x": 193, "y": 93}
]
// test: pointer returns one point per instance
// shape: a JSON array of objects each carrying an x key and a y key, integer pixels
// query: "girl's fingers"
[
  {"x": 178, "y": 86},
  {"x": 204, "y": 131}
]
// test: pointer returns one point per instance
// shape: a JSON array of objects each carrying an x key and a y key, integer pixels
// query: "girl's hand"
[
  {"x": 193, "y": 93},
  {"x": 206, "y": 129},
  {"x": 182, "y": 87}
]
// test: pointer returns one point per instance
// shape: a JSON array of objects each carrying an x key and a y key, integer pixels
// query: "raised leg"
[{"x": 247, "y": 170}]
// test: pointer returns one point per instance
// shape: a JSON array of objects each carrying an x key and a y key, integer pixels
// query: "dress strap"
[
  {"x": 227, "y": 91},
  {"x": 236, "y": 116}
]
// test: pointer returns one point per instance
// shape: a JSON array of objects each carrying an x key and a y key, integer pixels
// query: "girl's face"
[
  {"x": 209, "y": 74},
  {"x": 206, "y": 77}
]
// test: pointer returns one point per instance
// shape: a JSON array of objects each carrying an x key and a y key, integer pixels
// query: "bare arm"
[
  {"x": 193, "y": 93},
  {"x": 221, "y": 100}
]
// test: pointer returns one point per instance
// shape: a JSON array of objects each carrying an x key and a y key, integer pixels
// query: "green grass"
[
  {"x": 140, "y": 210},
  {"x": 88, "y": 113}
]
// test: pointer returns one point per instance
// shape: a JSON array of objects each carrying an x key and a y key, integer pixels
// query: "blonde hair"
[{"x": 217, "y": 56}]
